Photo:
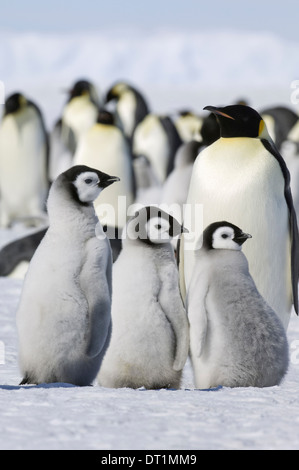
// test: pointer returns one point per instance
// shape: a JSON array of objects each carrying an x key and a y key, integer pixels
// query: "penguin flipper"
[
  {"x": 173, "y": 308},
  {"x": 98, "y": 298},
  {"x": 19, "y": 250},
  {"x": 198, "y": 317},
  {"x": 294, "y": 234},
  {"x": 174, "y": 141}
]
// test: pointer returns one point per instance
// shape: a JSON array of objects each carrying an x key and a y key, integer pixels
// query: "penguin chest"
[
  {"x": 126, "y": 110},
  {"x": 22, "y": 152},
  {"x": 239, "y": 181}
]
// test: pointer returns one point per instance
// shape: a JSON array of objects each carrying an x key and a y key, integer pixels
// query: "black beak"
[
  {"x": 103, "y": 183},
  {"x": 215, "y": 110},
  {"x": 240, "y": 239}
]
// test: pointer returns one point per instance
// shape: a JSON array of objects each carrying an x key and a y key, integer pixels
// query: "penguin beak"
[
  {"x": 108, "y": 181},
  {"x": 215, "y": 110},
  {"x": 242, "y": 238}
]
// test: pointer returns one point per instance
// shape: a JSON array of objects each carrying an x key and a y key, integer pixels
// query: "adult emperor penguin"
[
  {"x": 236, "y": 339},
  {"x": 23, "y": 162},
  {"x": 157, "y": 138},
  {"x": 64, "y": 315},
  {"x": 105, "y": 147},
  {"x": 131, "y": 106},
  {"x": 82, "y": 107},
  {"x": 242, "y": 178},
  {"x": 280, "y": 121},
  {"x": 150, "y": 336}
]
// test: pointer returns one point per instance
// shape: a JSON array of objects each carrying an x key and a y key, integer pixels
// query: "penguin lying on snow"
[
  {"x": 236, "y": 339},
  {"x": 24, "y": 150},
  {"x": 242, "y": 178},
  {"x": 63, "y": 318},
  {"x": 150, "y": 338}
]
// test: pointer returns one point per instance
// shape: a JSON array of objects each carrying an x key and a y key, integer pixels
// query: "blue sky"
[{"x": 279, "y": 17}]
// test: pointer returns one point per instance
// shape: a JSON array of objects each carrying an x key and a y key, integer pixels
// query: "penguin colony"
[{"x": 120, "y": 289}]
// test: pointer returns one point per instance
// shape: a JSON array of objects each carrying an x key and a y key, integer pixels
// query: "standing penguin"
[
  {"x": 105, "y": 147},
  {"x": 280, "y": 121},
  {"x": 23, "y": 162},
  {"x": 157, "y": 138},
  {"x": 81, "y": 109},
  {"x": 242, "y": 178},
  {"x": 236, "y": 339},
  {"x": 64, "y": 315},
  {"x": 131, "y": 106},
  {"x": 150, "y": 337}
]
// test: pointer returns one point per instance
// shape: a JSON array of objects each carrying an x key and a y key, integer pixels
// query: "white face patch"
[
  {"x": 87, "y": 185},
  {"x": 157, "y": 230},
  {"x": 223, "y": 239}
]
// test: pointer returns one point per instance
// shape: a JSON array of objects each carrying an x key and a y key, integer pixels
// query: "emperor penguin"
[
  {"x": 242, "y": 178},
  {"x": 188, "y": 124},
  {"x": 150, "y": 335},
  {"x": 81, "y": 109},
  {"x": 236, "y": 339},
  {"x": 105, "y": 147},
  {"x": 24, "y": 149},
  {"x": 157, "y": 138},
  {"x": 280, "y": 121},
  {"x": 131, "y": 106},
  {"x": 64, "y": 313}
]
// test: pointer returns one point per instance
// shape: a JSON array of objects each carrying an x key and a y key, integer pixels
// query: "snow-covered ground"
[
  {"x": 62, "y": 416},
  {"x": 174, "y": 71}
]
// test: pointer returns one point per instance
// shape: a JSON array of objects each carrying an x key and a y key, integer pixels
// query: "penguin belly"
[
  {"x": 150, "y": 140},
  {"x": 239, "y": 181},
  {"x": 23, "y": 173},
  {"x": 108, "y": 152},
  {"x": 53, "y": 318},
  {"x": 142, "y": 347}
]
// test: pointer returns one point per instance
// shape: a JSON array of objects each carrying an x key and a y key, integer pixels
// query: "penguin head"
[
  {"x": 83, "y": 88},
  {"x": 116, "y": 91},
  {"x": 105, "y": 117},
  {"x": 224, "y": 236},
  {"x": 153, "y": 226},
  {"x": 239, "y": 121},
  {"x": 85, "y": 183},
  {"x": 15, "y": 103}
]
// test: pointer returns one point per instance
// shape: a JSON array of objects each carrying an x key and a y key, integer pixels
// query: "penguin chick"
[
  {"x": 236, "y": 339},
  {"x": 24, "y": 182},
  {"x": 64, "y": 315},
  {"x": 150, "y": 336}
]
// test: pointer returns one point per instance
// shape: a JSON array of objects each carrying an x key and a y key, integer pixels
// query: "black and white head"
[
  {"x": 84, "y": 88},
  {"x": 17, "y": 103},
  {"x": 85, "y": 183},
  {"x": 239, "y": 121},
  {"x": 153, "y": 226},
  {"x": 224, "y": 236}
]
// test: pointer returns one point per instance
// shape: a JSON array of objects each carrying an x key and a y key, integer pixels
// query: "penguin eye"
[
  {"x": 224, "y": 235},
  {"x": 88, "y": 181},
  {"x": 158, "y": 226}
]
